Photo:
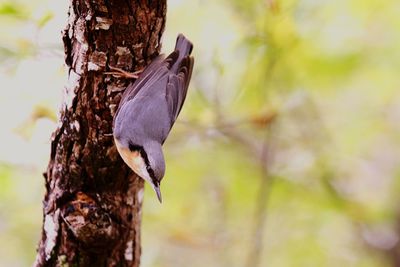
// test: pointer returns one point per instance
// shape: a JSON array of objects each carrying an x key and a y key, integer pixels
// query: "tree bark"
[{"x": 92, "y": 205}]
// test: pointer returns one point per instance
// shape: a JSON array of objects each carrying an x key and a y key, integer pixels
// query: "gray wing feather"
[
  {"x": 177, "y": 87},
  {"x": 133, "y": 89},
  {"x": 174, "y": 96},
  {"x": 155, "y": 70}
]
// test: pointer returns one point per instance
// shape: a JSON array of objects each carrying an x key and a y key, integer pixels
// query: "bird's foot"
[{"x": 120, "y": 73}]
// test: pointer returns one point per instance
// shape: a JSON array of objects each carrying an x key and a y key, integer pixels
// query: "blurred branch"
[
  {"x": 260, "y": 215},
  {"x": 256, "y": 149},
  {"x": 261, "y": 150},
  {"x": 247, "y": 142}
]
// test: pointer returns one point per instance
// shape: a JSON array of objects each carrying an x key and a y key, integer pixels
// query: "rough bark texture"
[{"x": 92, "y": 206}]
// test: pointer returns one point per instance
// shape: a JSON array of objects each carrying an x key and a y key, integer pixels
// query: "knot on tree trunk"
[{"x": 89, "y": 223}]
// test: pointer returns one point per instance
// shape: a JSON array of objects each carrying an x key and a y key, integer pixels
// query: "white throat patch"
[{"x": 135, "y": 161}]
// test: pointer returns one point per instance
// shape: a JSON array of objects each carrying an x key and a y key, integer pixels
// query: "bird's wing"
[
  {"x": 149, "y": 72},
  {"x": 177, "y": 87},
  {"x": 157, "y": 68}
]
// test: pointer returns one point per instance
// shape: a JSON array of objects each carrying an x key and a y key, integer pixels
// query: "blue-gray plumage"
[{"x": 148, "y": 110}]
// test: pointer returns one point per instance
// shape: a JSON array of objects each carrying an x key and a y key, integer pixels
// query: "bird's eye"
[{"x": 133, "y": 147}]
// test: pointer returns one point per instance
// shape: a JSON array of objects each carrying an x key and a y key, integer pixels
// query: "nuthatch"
[{"x": 148, "y": 110}]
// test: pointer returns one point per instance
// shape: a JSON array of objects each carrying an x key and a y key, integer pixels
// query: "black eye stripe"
[
  {"x": 147, "y": 162},
  {"x": 133, "y": 147}
]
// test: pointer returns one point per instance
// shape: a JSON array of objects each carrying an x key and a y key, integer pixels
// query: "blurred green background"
[{"x": 285, "y": 154}]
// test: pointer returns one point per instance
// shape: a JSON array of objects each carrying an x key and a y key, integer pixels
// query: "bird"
[{"x": 149, "y": 108}]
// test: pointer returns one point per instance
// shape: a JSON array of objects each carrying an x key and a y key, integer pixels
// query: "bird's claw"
[{"x": 122, "y": 73}]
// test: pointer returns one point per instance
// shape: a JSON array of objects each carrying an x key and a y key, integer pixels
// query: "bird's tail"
[
  {"x": 184, "y": 48},
  {"x": 183, "y": 45}
]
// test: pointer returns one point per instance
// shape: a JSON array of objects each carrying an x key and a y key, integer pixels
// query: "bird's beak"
[{"x": 156, "y": 188}]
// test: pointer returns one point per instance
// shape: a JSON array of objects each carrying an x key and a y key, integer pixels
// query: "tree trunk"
[{"x": 92, "y": 206}]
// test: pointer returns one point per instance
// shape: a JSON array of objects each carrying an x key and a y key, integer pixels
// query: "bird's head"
[{"x": 146, "y": 160}]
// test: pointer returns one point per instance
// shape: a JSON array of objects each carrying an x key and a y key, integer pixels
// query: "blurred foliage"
[
  {"x": 284, "y": 155},
  {"x": 22, "y": 23},
  {"x": 19, "y": 209}
]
